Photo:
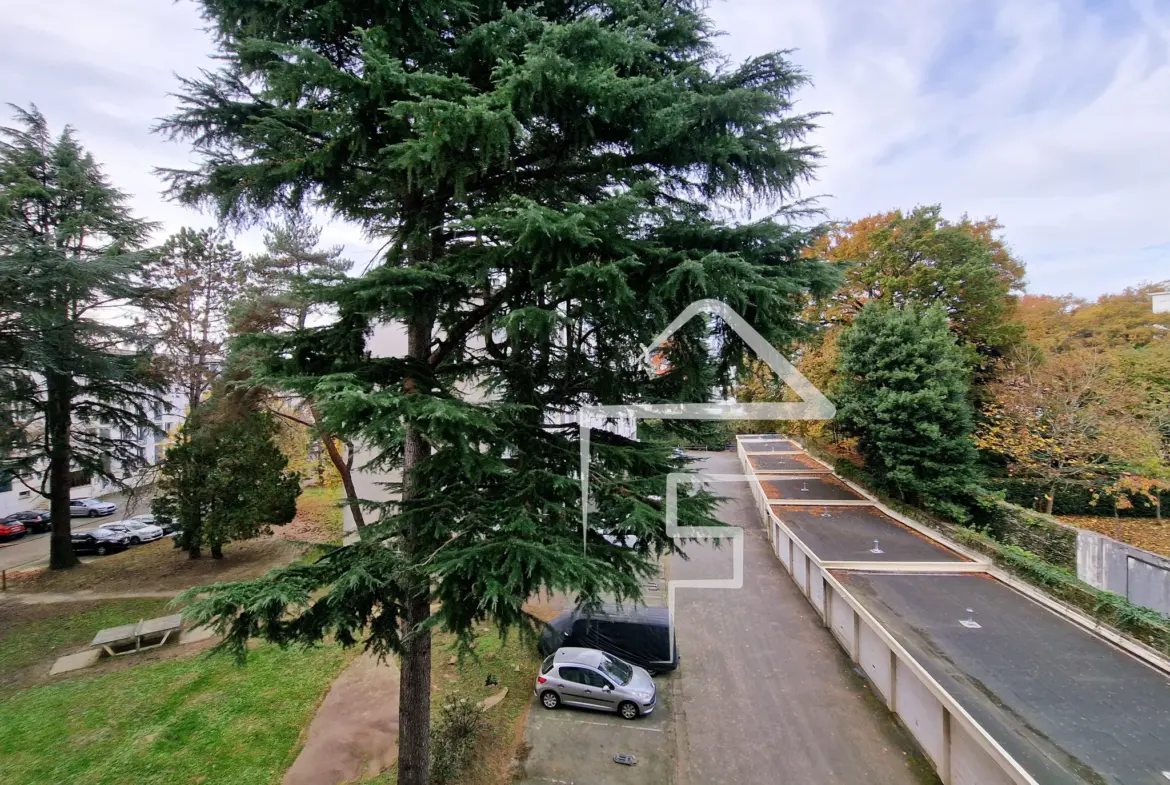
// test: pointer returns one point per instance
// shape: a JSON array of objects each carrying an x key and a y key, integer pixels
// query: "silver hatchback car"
[{"x": 592, "y": 679}]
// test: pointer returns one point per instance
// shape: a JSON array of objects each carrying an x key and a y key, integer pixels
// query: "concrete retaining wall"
[{"x": 1138, "y": 575}]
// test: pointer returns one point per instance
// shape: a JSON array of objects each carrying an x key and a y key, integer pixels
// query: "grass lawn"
[
  {"x": 193, "y": 720},
  {"x": 505, "y": 732},
  {"x": 35, "y": 635}
]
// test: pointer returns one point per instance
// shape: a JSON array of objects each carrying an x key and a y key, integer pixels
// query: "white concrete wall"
[
  {"x": 1136, "y": 574},
  {"x": 816, "y": 588},
  {"x": 841, "y": 622},
  {"x": 970, "y": 764},
  {"x": 923, "y": 715},
  {"x": 874, "y": 658}
]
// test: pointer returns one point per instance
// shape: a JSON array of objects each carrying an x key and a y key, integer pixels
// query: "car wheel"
[
  {"x": 628, "y": 710},
  {"x": 549, "y": 699},
  {"x": 92, "y": 514},
  {"x": 102, "y": 550},
  {"x": 135, "y": 541}
]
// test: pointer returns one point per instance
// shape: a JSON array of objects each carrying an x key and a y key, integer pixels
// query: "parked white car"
[
  {"x": 90, "y": 508},
  {"x": 167, "y": 528},
  {"x": 137, "y": 531}
]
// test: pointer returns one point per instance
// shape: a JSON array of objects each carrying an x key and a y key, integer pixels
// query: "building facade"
[{"x": 16, "y": 496}]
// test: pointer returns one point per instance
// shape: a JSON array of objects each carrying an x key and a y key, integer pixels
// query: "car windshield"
[
  {"x": 617, "y": 670},
  {"x": 546, "y": 666}
]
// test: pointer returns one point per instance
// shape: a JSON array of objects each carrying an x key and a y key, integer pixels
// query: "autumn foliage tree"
[
  {"x": 1069, "y": 418},
  {"x": 1085, "y": 397},
  {"x": 920, "y": 257}
]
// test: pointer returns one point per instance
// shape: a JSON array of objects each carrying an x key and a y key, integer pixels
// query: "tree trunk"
[
  {"x": 414, "y": 706},
  {"x": 216, "y": 551},
  {"x": 194, "y": 552},
  {"x": 1051, "y": 501},
  {"x": 343, "y": 469},
  {"x": 57, "y": 424}
]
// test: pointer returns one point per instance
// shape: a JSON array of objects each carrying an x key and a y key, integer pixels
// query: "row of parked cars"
[
  {"x": 21, "y": 523},
  {"x": 107, "y": 538},
  {"x": 114, "y": 537}
]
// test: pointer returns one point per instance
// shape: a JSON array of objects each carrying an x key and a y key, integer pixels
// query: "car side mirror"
[{"x": 606, "y": 687}]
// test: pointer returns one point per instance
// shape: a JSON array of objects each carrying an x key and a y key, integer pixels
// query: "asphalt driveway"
[
  {"x": 765, "y": 693},
  {"x": 576, "y": 746}
]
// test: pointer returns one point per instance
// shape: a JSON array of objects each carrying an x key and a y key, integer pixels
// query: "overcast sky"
[{"x": 1052, "y": 115}]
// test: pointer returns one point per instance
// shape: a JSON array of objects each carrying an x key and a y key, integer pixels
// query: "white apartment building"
[
  {"x": 1162, "y": 301},
  {"x": 15, "y": 496}
]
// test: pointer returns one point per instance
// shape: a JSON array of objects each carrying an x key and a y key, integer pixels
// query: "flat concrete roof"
[
  {"x": 818, "y": 488},
  {"x": 771, "y": 445},
  {"x": 785, "y": 463},
  {"x": 1065, "y": 704},
  {"x": 848, "y": 534}
]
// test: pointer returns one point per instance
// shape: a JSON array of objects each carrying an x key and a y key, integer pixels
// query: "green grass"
[
  {"x": 193, "y": 720},
  {"x": 59, "y": 628}
]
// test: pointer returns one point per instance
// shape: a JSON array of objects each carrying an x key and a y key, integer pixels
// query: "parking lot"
[
  {"x": 762, "y": 694},
  {"x": 577, "y": 746}
]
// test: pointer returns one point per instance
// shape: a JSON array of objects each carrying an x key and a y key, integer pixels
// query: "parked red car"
[{"x": 11, "y": 530}]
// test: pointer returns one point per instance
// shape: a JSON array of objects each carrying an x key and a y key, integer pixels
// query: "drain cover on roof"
[
  {"x": 652, "y": 586},
  {"x": 625, "y": 760}
]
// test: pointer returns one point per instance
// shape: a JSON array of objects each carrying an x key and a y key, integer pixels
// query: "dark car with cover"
[{"x": 637, "y": 635}]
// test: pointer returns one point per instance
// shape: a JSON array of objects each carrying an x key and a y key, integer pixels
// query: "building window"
[
  {"x": 79, "y": 478},
  {"x": 5, "y": 482}
]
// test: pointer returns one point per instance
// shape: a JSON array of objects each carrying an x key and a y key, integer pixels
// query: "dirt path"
[
  {"x": 48, "y": 598},
  {"x": 354, "y": 734}
]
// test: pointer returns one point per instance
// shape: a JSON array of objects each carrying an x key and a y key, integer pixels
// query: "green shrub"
[
  {"x": 1072, "y": 498},
  {"x": 453, "y": 737},
  {"x": 904, "y": 393}
]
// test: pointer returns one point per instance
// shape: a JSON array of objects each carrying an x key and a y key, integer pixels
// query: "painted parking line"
[{"x": 606, "y": 725}]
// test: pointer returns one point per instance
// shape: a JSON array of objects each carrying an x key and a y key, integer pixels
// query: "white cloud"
[{"x": 1052, "y": 115}]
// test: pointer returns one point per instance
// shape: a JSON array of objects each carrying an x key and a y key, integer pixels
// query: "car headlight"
[{"x": 642, "y": 696}]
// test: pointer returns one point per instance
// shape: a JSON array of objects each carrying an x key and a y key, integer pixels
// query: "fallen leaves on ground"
[
  {"x": 318, "y": 517},
  {"x": 1148, "y": 533},
  {"x": 159, "y": 566}
]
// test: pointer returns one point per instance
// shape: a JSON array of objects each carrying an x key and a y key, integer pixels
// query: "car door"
[
  {"x": 573, "y": 688},
  {"x": 76, "y": 508},
  {"x": 599, "y": 691}
]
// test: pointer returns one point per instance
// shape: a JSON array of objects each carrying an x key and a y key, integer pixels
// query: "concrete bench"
[{"x": 131, "y": 638}]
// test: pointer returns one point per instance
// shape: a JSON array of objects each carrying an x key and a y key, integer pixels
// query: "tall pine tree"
[
  {"x": 203, "y": 274},
  {"x": 76, "y": 381},
  {"x": 281, "y": 298},
  {"x": 548, "y": 180}
]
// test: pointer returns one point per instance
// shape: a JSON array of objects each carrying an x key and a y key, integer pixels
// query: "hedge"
[{"x": 1073, "y": 498}]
